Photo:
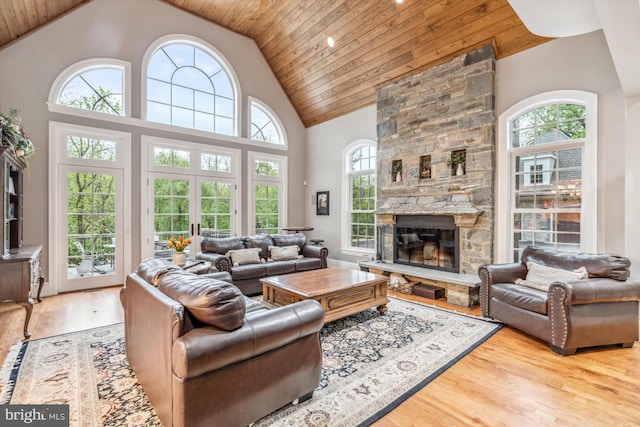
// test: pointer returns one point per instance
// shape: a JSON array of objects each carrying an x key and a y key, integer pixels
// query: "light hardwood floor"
[{"x": 510, "y": 380}]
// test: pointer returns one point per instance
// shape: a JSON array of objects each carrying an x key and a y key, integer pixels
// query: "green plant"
[
  {"x": 12, "y": 134},
  {"x": 396, "y": 166},
  {"x": 457, "y": 158}
]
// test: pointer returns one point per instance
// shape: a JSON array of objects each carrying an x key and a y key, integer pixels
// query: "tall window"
[
  {"x": 265, "y": 125},
  {"x": 551, "y": 178},
  {"x": 360, "y": 160},
  {"x": 267, "y": 193},
  {"x": 94, "y": 85},
  {"x": 190, "y": 86}
]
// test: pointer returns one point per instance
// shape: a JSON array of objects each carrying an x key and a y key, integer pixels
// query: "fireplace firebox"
[{"x": 430, "y": 241}]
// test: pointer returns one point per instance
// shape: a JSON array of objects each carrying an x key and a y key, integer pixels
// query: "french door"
[
  {"x": 193, "y": 207},
  {"x": 90, "y": 240},
  {"x": 89, "y": 207}
]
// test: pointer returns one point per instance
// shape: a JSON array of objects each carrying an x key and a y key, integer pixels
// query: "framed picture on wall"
[{"x": 322, "y": 203}]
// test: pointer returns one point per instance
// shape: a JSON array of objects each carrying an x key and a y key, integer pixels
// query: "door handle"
[
  {"x": 198, "y": 229},
  {"x": 192, "y": 229}
]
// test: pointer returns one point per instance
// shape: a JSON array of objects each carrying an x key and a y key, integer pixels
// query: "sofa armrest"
[
  {"x": 220, "y": 262},
  {"x": 591, "y": 291},
  {"x": 497, "y": 273},
  {"x": 313, "y": 251},
  {"x": 206, "y": 349}
]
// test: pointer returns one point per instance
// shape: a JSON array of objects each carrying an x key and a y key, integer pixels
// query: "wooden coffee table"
[{"x": 340, "y": 291}]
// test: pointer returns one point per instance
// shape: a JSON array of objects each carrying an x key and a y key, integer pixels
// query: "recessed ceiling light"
[
  {"x": 330, "y": 41},
  {"x": 399, "y": 1}
]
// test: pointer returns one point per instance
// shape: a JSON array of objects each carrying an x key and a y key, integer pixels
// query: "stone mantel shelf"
[{"x": 464, "y": 213}]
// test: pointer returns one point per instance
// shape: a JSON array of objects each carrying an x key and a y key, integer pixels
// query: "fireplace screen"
[{"x": 427, "y": 241}]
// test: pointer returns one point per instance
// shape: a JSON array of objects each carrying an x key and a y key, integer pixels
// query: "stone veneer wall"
[{"x": 446, "y": 108}]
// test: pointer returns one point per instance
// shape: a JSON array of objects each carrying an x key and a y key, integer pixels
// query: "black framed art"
[{"x": 322, "y": 203}]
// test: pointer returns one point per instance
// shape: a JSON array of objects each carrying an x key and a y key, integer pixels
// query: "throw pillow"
[
  {"x": 541, "y": 277},
  {"x": 244, "y": 256},
  {"x": 284, "y": 253}
]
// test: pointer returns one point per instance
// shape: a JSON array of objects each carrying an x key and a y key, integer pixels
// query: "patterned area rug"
[{"x": 371, "y": 364}]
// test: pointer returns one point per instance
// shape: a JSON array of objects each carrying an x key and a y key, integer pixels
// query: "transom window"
[
  {"x": 188, "y": 86},
  {"x": 265, "y": 125}
]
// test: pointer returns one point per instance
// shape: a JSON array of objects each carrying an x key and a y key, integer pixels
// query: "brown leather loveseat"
[
  {"x": 601, "y": 308},
  {"x": 265, "y": 262},
  {"x": 208, "y": 356}
]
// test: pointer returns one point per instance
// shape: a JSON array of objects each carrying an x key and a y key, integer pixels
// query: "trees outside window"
[
  {"x": 189, "y": 85},
  {"x": 360, "y": 183}
]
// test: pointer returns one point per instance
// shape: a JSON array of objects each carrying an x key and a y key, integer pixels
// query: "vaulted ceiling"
[{"x": 376, "y": 41}]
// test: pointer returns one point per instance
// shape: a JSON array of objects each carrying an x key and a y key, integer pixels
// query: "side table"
[
  {"x": 20, "y": 277},
  {"x": 198, "y": 267}
]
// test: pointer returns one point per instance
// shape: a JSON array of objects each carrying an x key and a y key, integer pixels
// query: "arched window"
[
  {"x": 548, "y": 153},
  {"x": 188, "y": 84},
  {"x": 265, "y": 125},
  {"x": 94, "y": 85},
  {"x": 360, "y": 189}
]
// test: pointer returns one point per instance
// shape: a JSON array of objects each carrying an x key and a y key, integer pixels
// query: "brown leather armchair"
[
  {"x": 206, "y": 355},
  {"x": 599, "y": 310}
]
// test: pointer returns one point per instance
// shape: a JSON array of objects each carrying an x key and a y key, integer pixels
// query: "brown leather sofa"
[
  {"x": 599, "y": 310},
  {"x": 208, "y": 356},
  {"x": 247, "y": 277}
]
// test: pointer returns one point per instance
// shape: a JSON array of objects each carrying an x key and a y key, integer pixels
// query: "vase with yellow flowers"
[{"x": 179, "y": 244}]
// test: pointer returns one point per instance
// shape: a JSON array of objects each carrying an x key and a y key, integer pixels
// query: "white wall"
[
  {"x": 581, "y": 62},
  {"x": 124, "y": 29},
  {"x": 632, "y": 185},
  {"x": 325, "y": 144}
]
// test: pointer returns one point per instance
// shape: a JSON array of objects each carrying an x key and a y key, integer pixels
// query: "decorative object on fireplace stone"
[
  {"x": 457, "y": 162},
  {"x": 396, "y": 170},
  {"x": 425, "y": 167}
]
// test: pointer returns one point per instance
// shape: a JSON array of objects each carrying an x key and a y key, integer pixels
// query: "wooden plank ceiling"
[{"x": 376, "y": 41}]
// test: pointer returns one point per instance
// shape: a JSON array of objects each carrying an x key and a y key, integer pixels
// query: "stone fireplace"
[{"x": 436, "y": 162}]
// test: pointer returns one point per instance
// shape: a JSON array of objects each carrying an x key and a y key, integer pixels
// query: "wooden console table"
[{"x": 20, "y": 277}]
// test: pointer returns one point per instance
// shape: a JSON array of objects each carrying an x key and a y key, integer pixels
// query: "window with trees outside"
[
  {"x": 191, "y": 191},
  {"x": 97, "y": 87},
  {"x": 91, "y": 194},
  {"x": 265, "y": 125},
  {"x": 188, "y": 85},
  {"x": 547, "y": 150},
  {"x": 267, "y": 192},
  {"x": 361, "y": 182}
]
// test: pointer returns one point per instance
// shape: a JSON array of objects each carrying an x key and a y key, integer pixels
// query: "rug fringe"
[{"x": 7, "y": 372}]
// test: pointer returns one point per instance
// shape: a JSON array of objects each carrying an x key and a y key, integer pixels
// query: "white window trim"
[
  {"x": 58, "y": 155},
  {"x": 346, "y": 248},
  {"x": 504, "y": 169},
  {"x": 88, "y": 64},
  {"x": 253, "y": 179},
  {"x": 146, "y": 166},
  {"x": 111, "y": 118},
  {"x": 222, "y": 60},
  {"x": 282, "y": 134}
]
